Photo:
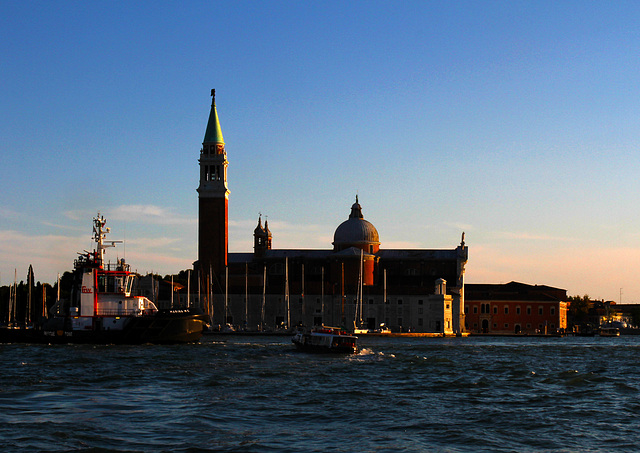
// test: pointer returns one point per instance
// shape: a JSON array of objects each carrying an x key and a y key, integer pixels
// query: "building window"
[
  {"x": 466, "y": 310},
  {"x": 495, "y": 310},
  {"x": 553, "y": 311},
  {"x": 420, "y": 302},
  {"x": 447, "y": 306},
  {"x": 517, "y": 310},
  {"x": 506, "y": 326},
  {"x": 540, "y": 310},
  {"x": 528, "y": 311},
  {"x": 399, "y": 301},
  {"x": 528, "y": 326},
  {"x": 370, "y": 301},
  {"x": 475, "y": 309},
  {"x": 506, "y": 310},
  {"x": 495, "y": 325},
  {"x": 419, "y": 310},
  {"x": 420, "y": 322}
]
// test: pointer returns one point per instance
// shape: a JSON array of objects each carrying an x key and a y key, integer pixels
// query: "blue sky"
[{"x": 515, "y": 121}]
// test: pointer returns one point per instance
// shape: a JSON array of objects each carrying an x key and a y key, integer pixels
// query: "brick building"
[{"x": 515, "y": 308}]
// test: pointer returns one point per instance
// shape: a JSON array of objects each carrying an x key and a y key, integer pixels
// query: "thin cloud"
[
  {"x": 535, "y": 237},
  {"x": 10, "y": 214},
  {"x": 136, "y": 213},
  {"x": 150, "y": 214}
]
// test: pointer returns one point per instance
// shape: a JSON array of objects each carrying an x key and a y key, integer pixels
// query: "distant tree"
[{"x": 578, "y": 312}]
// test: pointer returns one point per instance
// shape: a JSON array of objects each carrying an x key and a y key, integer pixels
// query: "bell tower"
[{"x": 213, "y": 197}]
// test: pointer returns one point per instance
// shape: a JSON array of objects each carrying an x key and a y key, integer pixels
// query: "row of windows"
[
  {"x": 506, "y": 325},
  {"x": 485, "y": 308}
]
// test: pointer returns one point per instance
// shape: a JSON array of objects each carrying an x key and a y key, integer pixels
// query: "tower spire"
[{"x": 214, "y": 131}]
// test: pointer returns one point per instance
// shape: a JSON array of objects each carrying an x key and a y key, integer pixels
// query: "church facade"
[{"x": 355, "y": 283}]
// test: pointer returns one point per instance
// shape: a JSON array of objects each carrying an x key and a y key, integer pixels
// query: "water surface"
[{"x": 258, "y": 394}]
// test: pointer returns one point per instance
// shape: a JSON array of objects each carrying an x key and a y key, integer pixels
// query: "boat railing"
[
  {"x": 118, "y": 312},
  {"x": 123, "y": 267}
]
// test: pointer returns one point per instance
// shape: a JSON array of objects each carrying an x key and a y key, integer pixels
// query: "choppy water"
[{"x": 258, "y": 394}]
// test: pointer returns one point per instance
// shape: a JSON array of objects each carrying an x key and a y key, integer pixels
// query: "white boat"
[
  {"x": 326, "y": 339},
  {"x": 383, "y": 329},
  {"x": 104, "y": 310},
  {"x": 609, "y": 332}
]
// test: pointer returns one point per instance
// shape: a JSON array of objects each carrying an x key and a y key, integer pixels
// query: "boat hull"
[
  {"x": 164, "y": 327},
  {"x": 325, "y": 343}
]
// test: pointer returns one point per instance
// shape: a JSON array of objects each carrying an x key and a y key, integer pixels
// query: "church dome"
[{"x": 355, "y": 231}]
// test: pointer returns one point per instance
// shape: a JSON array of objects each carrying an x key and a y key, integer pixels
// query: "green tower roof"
[{"x": 214, "y": 132}]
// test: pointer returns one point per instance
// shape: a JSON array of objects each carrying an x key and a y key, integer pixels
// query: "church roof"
[
  {"x": 513, "y": 291},
  {"x": 418, "y": 254},
  {"x": 356, "y": 230},
  {"x": 214, "y": 132},
  {"x": 298, "y": 253}
]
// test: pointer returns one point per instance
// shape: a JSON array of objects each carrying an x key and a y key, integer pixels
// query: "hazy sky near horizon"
[{"x": 513, "y": 121}]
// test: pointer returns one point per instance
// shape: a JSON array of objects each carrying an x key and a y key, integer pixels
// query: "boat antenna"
[{"x": 99, "y": 234}]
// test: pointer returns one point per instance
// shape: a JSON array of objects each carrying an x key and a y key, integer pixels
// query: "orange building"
[{"x": 515, "y": 308}]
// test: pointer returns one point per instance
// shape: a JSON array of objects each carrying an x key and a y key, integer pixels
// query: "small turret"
[{"x": 261, "y": 238}]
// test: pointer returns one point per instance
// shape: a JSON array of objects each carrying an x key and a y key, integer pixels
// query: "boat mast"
[
  {"x": 246, "y": 294},
  {"x": 211, "y": 292},
  {"x": 322, "y": 299},
  {"x": 11, "y": 290},
  {"x": 153, "y": 289},
  {"x": 27, "y": 316},
  {"x": 343, "y": 319},
  {"x": 303, "y": 310},
  {"x": 99, "y": 234},
  {"x": 15, "y": 294},
  {"x": 286, "y": 289},
  {"x": 264, "y": 296},
  {"x": 384, "y": 294},
  {"x": 58, "y": 296},
  {"x": 189, "y": 288},
  {"x": 226, "y": 293},
  {"x": 360, "y": 286},
  {"x": 44, "y": 301}
]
